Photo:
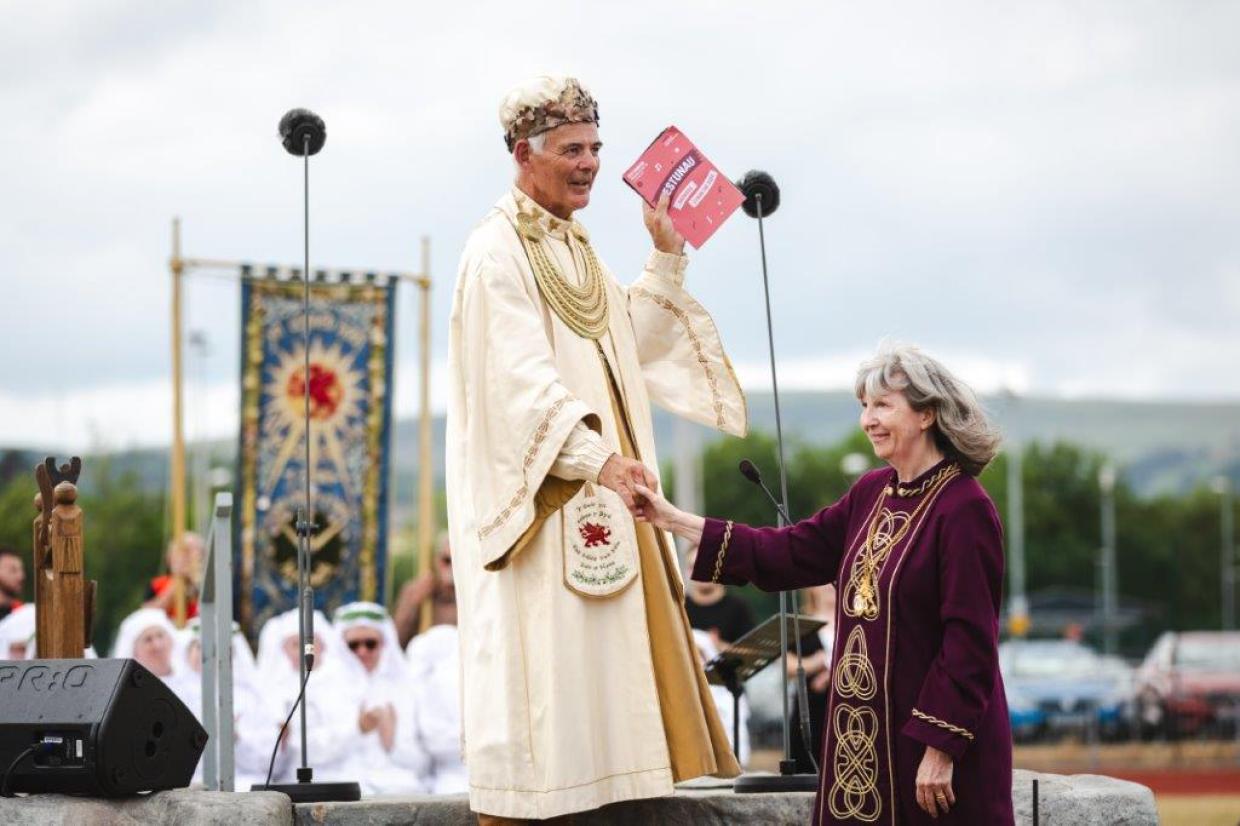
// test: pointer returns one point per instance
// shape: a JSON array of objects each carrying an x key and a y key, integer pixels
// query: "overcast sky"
[{"x": 1045, "y": 194}]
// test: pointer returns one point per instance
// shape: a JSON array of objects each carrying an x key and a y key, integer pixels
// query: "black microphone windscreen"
[
  {"x": 750, "y": 471},
  {"x": 296, "y": 125},
  {"x": 757, "y": 186}
]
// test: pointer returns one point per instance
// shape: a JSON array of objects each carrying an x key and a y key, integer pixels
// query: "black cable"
[
  {"x": 8, "y": 775},
  {"x": 280, "y": 735}
]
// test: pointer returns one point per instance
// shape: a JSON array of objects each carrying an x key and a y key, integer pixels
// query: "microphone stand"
[
  {"x": 761, "y": 199},
  {"x": 304, "y": 133}
]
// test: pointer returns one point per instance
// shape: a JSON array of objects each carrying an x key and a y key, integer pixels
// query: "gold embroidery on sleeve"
[
  {"x": 683, "y": 318},
  {"x": 935, "y": 721},
  {"x": 540, "y": 436},
  {"x": 723, "y": 549}
]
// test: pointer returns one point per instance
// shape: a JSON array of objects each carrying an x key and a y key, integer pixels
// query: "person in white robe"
[
  {"x": 254, "y": 727},
  {"x": 18, "y": 640},
  {"x": 434, "y": 672},
  {"x": 724, "y": 701},
  {"x": 581, "y": 686},
  {"x": 17, "y": 633},
  {"x": 389, "y": 759},
  {"x": 147, "y": 635},
  {"x": 332, "y": 697}
]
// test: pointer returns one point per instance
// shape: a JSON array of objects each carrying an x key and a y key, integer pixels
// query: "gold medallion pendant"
[{"x": 863, "y": 600}]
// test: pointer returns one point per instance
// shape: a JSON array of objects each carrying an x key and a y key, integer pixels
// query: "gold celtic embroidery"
[
  {"x": 886, "y": 530},
  {"x": 695, "y": 341},
  {"x": 943, "y": 724},
  {"x": 854, "y": 673},
  {"x": 723, "y": 549},
  {"x": 540, "y": 436},
  {"x": 854, "y": 792}
]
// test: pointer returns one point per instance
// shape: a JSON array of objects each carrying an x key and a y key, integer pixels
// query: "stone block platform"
[{"x": 1084, "y": 800}]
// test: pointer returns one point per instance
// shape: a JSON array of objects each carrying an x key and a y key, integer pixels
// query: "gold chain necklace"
[
  {"x": 909, "y": 493},
  {"x": 877, "y": 547},
  {"x": 582, "y": 309}
]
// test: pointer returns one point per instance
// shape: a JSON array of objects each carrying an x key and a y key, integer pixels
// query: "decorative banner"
[{"x": 350, "y": 418}]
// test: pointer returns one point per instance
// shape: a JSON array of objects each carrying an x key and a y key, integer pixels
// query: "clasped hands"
[
  {"x": 382, "y": 718},
  {"x": 638, "y": 487},
  {"x": 624, "y": 476}
]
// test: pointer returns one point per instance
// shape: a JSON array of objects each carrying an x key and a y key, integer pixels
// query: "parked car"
[
  {"x": 1027, "y": 719},
  {"x": 1189, "y": 684},
  {"x": 1073, "y": 687}
]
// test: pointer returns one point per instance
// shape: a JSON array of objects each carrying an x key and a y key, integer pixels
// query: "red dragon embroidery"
[{"x": 594, "y": 535}]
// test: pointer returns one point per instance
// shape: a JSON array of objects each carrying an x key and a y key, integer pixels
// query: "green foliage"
[
  {"x": 1167, "y": 547},
  {"x": 815, "y": 480}
]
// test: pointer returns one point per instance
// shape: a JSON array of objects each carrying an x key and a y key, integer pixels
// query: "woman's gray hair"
[{"x": 961, "y": 428}]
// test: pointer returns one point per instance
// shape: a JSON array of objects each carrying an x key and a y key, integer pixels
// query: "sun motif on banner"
[{"x": 337, "y": 396}]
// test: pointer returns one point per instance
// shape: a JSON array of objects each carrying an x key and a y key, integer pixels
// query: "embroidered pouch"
[{"x": 600, "y": 544}]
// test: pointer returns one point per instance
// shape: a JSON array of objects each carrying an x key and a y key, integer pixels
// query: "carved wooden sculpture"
[{"x": 64, "y": 600}]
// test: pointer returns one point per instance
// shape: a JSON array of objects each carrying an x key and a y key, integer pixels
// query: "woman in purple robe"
[{"x": 917, "y": 725}]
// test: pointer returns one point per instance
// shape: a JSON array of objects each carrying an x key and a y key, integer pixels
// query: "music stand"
[{"x": 744, "y": 658}]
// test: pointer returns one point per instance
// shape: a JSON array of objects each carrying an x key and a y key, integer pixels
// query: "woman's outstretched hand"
[{"x": 651, "y": 506}]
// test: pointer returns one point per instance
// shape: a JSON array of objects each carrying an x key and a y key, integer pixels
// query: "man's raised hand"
[{"x": 659, "y": 225}]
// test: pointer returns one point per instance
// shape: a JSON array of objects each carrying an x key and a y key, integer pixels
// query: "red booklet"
[{"x": 702, "y": 197}]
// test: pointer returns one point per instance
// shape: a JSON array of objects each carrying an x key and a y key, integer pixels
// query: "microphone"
[
  {"x": 307, "y": 608},
  {"x": 750, "y": 471},
  {"x": 758, "y": 185},
  {"x": 297, "y": 125}
]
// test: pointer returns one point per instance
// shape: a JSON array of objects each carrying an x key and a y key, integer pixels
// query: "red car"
[{"x": 1189, "y": 684}]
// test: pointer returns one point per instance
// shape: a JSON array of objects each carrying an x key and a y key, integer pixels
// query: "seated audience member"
[
  {"x": 184, "y": 560},
  {"x": 434, "y": 670},
  {"x": 147, "y": 636},
  {"x": 723, "y": 699},
  {"x": 389, "y": 758},
  {"x": 254, "y": 729},
  {"x": 435, "y": 585},
  {"x": 332, "y": 697},
  {"x": 819, "y": 603},
  {"x": 726, "y": 617},
  {"x": 12, "y": 578},
  {"x": 17, "y": 634}
]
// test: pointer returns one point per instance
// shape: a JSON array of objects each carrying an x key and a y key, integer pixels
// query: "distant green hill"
[{"x": 1162, "y": 447}]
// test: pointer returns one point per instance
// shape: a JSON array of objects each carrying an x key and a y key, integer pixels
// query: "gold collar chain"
[
  {"x": 908, "y": 493},
  {"x": 582, "y": 309}
]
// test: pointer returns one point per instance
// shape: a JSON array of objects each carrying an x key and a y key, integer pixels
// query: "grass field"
[{"x": 1199, "y": 810}]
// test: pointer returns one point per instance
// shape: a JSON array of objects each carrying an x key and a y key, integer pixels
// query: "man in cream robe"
[{"x": 580, "y": 683}]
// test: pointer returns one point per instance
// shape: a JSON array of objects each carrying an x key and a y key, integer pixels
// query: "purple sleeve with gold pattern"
[{"x": 776, "y": 559}]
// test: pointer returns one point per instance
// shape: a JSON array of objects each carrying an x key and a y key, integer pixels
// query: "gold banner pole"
[
  {"x": 177, "y": 471},
  {"x": 426, "y": 503}
]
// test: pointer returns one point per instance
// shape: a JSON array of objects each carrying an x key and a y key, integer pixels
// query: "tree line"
[{"x": 1167, "y": 546}]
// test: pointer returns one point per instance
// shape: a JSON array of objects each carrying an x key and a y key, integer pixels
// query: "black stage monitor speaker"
[{"x": 103, "y": 728}]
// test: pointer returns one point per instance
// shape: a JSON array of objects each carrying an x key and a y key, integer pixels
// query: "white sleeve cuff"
[
  {"x": 668, "y": 266},
  {"x": 582, "y": 457}
]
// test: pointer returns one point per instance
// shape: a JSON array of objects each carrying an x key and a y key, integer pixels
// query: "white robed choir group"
[{"x": 390, "y": 721}]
